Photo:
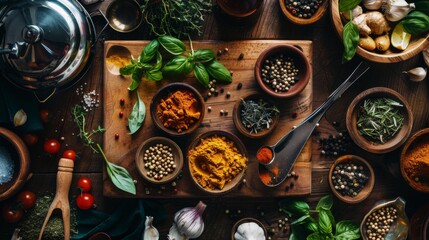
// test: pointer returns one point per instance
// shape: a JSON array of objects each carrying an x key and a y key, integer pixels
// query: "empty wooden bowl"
[
  {"x": 371, "y": 146},
  {"x": 304, "y": 21},
  {"x": 413, "y": 163},
  {"x": 168, "y": 90},
  {"x": 247, "y": 220},
  {"x": 177, "y": 158},
  {"x": 366, "y": 191},
  {"x": 415, "y": 46},
  {"x": 238, "y": 121},
  {"x": 300, "y": 62}
]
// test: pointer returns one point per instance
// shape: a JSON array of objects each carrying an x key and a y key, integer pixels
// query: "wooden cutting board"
[{"x": 122, "y": 151}]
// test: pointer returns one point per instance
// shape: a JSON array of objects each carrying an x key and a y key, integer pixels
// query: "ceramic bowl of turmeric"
[
  {"x": 177, "y": 109},
  {"x": 415, "y": 161},
  {"x": 217, "y": 161}
]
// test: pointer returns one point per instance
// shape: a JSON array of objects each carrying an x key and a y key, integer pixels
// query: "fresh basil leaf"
[
  {"x": 347, "y": 230},
  {"x": 172, "y": 45},
  {"x": 201, "y": 74},
  {"x": 218, "y": 71},
  {"x": 144, "y": 66},
  {"x": 350, "y": 40},
  {"x": 316, "y": 236},
  {"x": 416, "y": 23},
  {"x": 136, "y": 79},
  {"x": 177, "y": 66},
  {"x": 154, "y": 75},
  {"x": 346, "y": 5},
  {"x": 137, "y": 116},
  {"x": 127, "y": 70},
  {"x": 120, "y": 178},
  {"x": 301, "y": 220},
  {"x": 204, "y": 55},
  {"x": 158, "y": 64},
  {"x": 325, "y": 203},
  {"x": 295, "y": 207},
  {"x": 312, "y": 227},
  {"x": 149, "y": 51},
  {"x": 325, "y": 224}
]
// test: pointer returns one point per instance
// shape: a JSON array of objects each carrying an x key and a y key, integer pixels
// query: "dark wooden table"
[{"x": 328, "y": 73}]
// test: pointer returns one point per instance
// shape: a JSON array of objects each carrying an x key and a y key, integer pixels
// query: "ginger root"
[{"x": 372, "y": 23}]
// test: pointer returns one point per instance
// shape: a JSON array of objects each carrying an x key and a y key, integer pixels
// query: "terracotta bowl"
[
  {"x": 246, "y": 220},
  {"x": 418, "y": 138},
  {"x": 397, "y": 140},
  {"x": 177, "y": 156},
  {"x": 300, "y": 61},
  {"x": 238, "y": 144},
  {"x": 304, "y": 21},
  {"x": 165, "y": 92},
  {"x": 366, "y": 191},
  {"x": 392, "y": 55},
  {"x": 236, "y": 117},
  {"x": 21, "y": 158}
]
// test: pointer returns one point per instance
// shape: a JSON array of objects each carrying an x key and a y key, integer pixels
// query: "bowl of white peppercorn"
[
  {"x": 159, "y": 160},
  {"x": 282, "y": 71}
]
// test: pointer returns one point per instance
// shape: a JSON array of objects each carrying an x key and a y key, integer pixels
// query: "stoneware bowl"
[
  {"x": 304, "y": 21},
  {"x": 415, "y": 140},
  {"x": 165, "y": 92},
  {"x": 238, "y": 144},
  {"x": 300, "y": 61},
  {"x": 370, "y": 146},
  {"x": 19, "y": 153},
  {"x": 392, "y": 55},
  {"x": 236, "y": 117},
  {"x": 246, "y": 220},
  {"x": 177, "y": 156},
  {"x": 366, "y": 191}
]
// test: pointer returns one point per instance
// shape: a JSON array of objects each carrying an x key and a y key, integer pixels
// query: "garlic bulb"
[
  {"x": 372, "y": 4},
  {"x": 416, "y": 74},
  {"x": 150, "y": 232},
  {"x": 355, "y": 12},
  {"x": 395, "y": 10},
  {"x": 174, "y": 234},
  {"x": 189, "y": 221},
  {"x": 249, "y": 231},
  {"x": 20, "y": 118}
]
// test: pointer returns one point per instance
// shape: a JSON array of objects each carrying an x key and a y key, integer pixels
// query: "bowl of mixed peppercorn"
[
  {"x": 379, "y": 120},
  {"x": 303, "y": 12},
  {"x": 282, "y": 71}
]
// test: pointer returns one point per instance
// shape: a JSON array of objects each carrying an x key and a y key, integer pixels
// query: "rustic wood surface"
[{"x": 328, "y": 73}]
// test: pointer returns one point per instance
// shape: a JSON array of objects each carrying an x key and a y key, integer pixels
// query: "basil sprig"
[
  {"x": 350, "y": 40},
  {"x": 137, "y": 116}
]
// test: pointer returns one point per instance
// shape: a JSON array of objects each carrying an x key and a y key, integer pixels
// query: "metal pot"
[{"x": 45, "y": 44}]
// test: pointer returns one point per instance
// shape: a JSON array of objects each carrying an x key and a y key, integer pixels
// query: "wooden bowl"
[
  {"x": 177, "y": 156},
  {"x": 397, "y": 140},
  {"x": 392, "y": 55},
  {"x": 165, "y": 92},
  {"x": 236, "y": 117},
  {"x": 366, "y": 191},
  {"x": 240, "y": 147},
  {"x": 21, "y": 158},
  {"x": 246, "y": 220},
  {"x": 304, "y": 21},
  {"x": 418, "y": 138},
  {"x": 300, "y": 61}
]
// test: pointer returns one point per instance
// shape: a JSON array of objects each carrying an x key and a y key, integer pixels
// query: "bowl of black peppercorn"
[{"x": 351, "y": 179}]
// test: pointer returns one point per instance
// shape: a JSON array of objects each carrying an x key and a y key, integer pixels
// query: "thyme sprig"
[{"x": 79, "y": 118}]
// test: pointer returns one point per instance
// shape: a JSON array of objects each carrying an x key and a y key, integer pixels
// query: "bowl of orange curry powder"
[
  {"x": 415, "y": 161},
  {"x": 217, "y": 161},
  {"x": 177, "y": 109}
]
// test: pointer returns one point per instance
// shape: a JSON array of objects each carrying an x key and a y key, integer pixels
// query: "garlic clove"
[
  {"x": 174, "y": 234},
  {"x": 416, "y": 74},
  {"x": 20, "y": 118},
  {"x": 395, "y": 10},
  {"x": 150, "y": 232},
  {"x": 355, "y": 12},
  {"x": 372, "y": 4}
]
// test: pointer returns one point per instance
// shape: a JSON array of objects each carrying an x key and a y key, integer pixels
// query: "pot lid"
[{"x": 47, "y": 42}]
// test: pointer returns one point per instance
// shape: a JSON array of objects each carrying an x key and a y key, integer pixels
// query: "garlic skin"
[
  {"x": 416, "y": 74},
  {"x": 150, "y": 232},
  {"x": 174, "y": 234},
  {"x": 355, "y": 12},
  {"x": 249, "y": 231},
  {"x": 372, "y": 4},
  {"x": 20, "y": 118},
  {"x": 189, "y": 221},
  {"x": 395, "y": 10}
]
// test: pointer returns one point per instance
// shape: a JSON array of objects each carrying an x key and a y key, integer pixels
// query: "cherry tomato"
[
  {"x": 45, "y": 115},
  {"x": 70, "y": 154},
  {"x": 27, "y": 199},
  {"x": 84, "y": 183},
  {"x": 85, "y": 201},
  {"x": 30, "y": 139},
  {"x": 11, "y": 213},
  {"x": 51, "y": 146}
]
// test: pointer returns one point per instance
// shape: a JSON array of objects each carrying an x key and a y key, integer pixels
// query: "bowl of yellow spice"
[
  {"x": 217, "y": 161},
  {"x": 177, "y": 109}
]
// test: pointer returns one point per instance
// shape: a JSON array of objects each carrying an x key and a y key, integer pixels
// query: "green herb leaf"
[
  {"x": 201, "y": 74},
  {"x": 316, "y": 236},
  {"x": 127, "y": 70},
  {"x": 416, "y": 23},
  {"x": 158, "y": 64},
  {"x": 172, "y": 45},
  {"x": 346, "y": 5},
  {"x": 325, "y": 224},
  {"x": 218, "y": 71},
  {"x": 154, "y": 75},
  {"x": 177, "y": 66},
  {"x": 347, "y": 230},
  {"x": 136, "y": 79},
  {"x": 350, "y": 40},
  {"x": 137, "y": 116},
  {"x": 325, "y": 203},
  {"x": 204, "y": 55},
  {"x": 301, "y": 220},
  {"x": 294, "y": 207},
  {"x": 297, "y": 232},
  {"x": 149, "y": 51},
  {"x": 312, "y": 227}
]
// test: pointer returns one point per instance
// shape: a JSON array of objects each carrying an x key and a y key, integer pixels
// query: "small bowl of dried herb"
[
  {"x": 255, "y": 116},
  {"x": 379, "y": 120}
]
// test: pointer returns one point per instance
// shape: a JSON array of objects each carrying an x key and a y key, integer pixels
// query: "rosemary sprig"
[
  {"x": 379, "y": 119},
  {"x": 79, "y": 118},
  {"x": 257, "y": 116}
]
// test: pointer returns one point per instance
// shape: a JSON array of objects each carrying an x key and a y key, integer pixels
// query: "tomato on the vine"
[
  {"x": 27, "y": 199},
  {"x": 11, "y": 213},
  {"x": 84, "y": 183},
  {"x": 70, "y": 154},
  {"x": 45, "y": 115},
  {"x": 85, "y": 201},
  {"x": 51, "y": 146}
]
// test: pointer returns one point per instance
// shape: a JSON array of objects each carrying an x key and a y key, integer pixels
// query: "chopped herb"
[{"x": 257, "y": 116}]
